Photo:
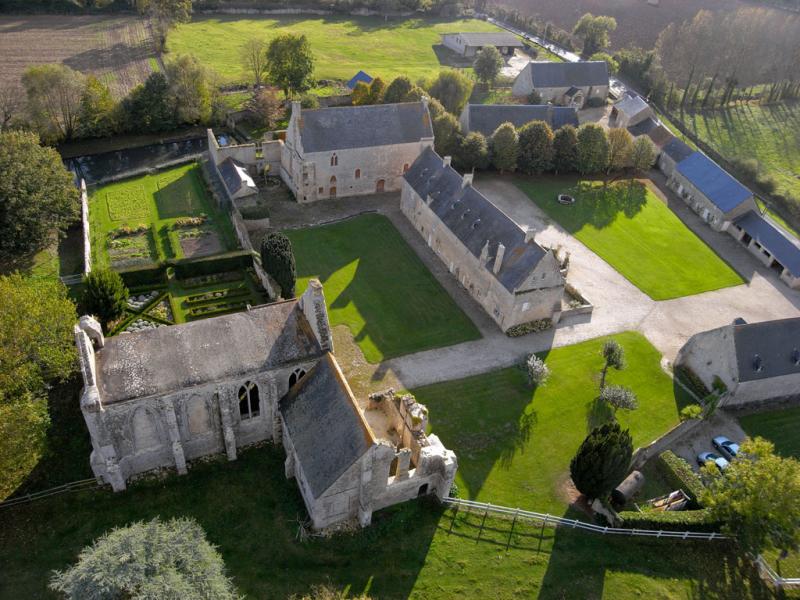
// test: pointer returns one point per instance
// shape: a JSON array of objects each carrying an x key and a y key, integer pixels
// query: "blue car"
[
  {"x": 704, "y": 457},
  {"x": 726, "y": 446}
]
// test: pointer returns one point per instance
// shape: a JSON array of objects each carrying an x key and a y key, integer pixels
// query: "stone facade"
[
  {"x": 503, "y": 250},
  {"x": 712, "y": 214},
  {"x": 564, "y": 84},
  {"x": 342, "y": 170}
]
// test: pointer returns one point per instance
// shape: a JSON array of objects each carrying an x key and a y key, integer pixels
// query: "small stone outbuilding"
[
  {"x": 629, "y": 111},
  {"x": 469, "y": 44},
  {"x": 564, "y": 83}
]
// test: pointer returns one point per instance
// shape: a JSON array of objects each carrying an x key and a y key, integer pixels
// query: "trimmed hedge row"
[
  {"x": 143, "y": 276},
  {"x": 231, "y": 261},
  {"x": 679, "y": 475},
  {"x": 682, "y": 520},
  {"x": 692, "y": 381}
]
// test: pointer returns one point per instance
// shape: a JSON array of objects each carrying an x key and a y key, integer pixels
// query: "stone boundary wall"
[
  {"x": 642, "y": 455},
  {"x": 368, "y": 211},
  {"x": 87, "y": 245},
  {"x": 759, "y": 406},
  {"x": 240, "y": 228},
  {"x": 149, "y": 170},
  {"x": 586, "y": 307}
]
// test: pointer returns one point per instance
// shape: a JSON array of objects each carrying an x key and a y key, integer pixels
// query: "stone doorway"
[{"x": 379, "y": 186}]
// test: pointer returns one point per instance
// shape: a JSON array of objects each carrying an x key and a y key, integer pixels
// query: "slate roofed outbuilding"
[
  {"x": 360, "y": 77},
  {"x": 235, "y": 176},
  {"x": 347, "y": 127},
  {"x": 660, "y": 136},
  {"x": 474, "y": 220},
  {"x": 566, "y": 74},
  {"x": 326, "y": 427},
  {"x": 482, "y": 39},
  {"x": 713, "y": 181},
  {"x": 677, "y": 150},
  {"x": 643, "y": 127},
  {"x": 781, "y": 245},
  {"x": 631, "y": 104},
  {"x": 767, "y": 349},
  {"x": 485, "y": 118}
]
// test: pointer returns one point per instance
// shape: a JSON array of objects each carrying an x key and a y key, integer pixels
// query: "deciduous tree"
[
  {"x": 155, "y": 559},
  {"x": 613, "y": 65},
  {"x": 190, "y": 90},
  {"x": 488, "y": 64},
  {"x": 105, "y": 295},
  {"x": 452, "y": 88},
  {"x": 618, "y": 396},
  {"x": 290, "y": 63},
  {"x": 36, "y": 349},
  {"x": 149, "y": 107},
  {"x": 268, "y": 106},
  {"x": 535, "y": 147},
  {"x": 11, "y": 104},
  {"x": 446, "y": 134},
  {"x": 164, "y": 15},
  {"x": 277, "y": 258},
  {"x": 360, "y": 95},
  {"x": 398, "y": 90},
  {"x": 565, "y": 149},
  {"x": 756, "y": 497},
  {"x": 54, "y": 98},
  {"x": 594, "y": 32},
  {"x": 38, "y": 197},
  {"x": 613, "y": 357},
  {"x": 643, "y": 154},
  {"x": 538, "y": 372},
  {"x": 473, "y": 152},
  {"x": 505, "y": 148},
  {"x": 592, "y": 148},
  {"x": 620, "y": 146},
  {"x": 98, "y": 110},
  {"x": 254, "y": 59},
  {"x": 602, "y": 461}
]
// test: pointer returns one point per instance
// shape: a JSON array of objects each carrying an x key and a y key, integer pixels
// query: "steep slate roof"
[
  {"x": 346, "y": 127},
  {"x": 643, "y": 127},
  {"x": 565, "y": 74},
  {"x": 168, "y": 359},
  {"x": 784, "y": 248},
  {"x": 360, "y": 76},
  {"x": 713, "y": 181},
  {"x": 677, "y": 150},
  {"x": 774, "y": 342},
  {"x": 660, "y": 136},
  {"x": 631, "y": 104},
  {"x": 474, "y": 220},
  {"x": 325, "y": 425},
  {"x": 496, "y": 38},
  {"x": 485, "y": 118},
  {"x": 234, "y": 175}
]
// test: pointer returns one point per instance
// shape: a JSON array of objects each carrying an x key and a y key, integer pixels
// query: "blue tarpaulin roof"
[
  {"x": 785, "y": 249},
  {"x": 713, "y": 181},
  {"x": 360, "y": 76}
]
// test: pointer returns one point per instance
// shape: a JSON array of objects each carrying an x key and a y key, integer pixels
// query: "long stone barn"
[
  {"x": 516, "y": 281},
  {"x": 160, "y": 398}
]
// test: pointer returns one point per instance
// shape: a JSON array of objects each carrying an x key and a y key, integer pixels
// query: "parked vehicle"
[
  {"x": 725, "y": 446},
  {"x": 704, "y": 457},
  {"x": 565, "y": 199}
]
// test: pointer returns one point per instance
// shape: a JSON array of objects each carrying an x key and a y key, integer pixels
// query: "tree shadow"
[
  {"x": 598, "y": 412},
  {"x": 450, "y": 58},
  {"x": 112, "y": 57}
]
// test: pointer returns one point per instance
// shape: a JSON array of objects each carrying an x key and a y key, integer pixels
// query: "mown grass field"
[
  {"x": 778, "y": 426},
  {"x": 636, "y": 233},
  {"x": 514, "y": 444},
  {"x": 378, "y": 287},
  {"x": 342, "y": 45},
  {"x": 768, "y": 133}
]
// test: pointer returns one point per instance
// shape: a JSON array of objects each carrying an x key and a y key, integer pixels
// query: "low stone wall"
[
  {"x": 656, "y": 447},
  {"x": 585, "y": 308},
  {"x": 759, "y": 406},
  {"x": 240, "y": 228},
  {"x": 87, "y": 245}
]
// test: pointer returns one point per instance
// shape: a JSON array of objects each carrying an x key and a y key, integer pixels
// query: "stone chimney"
[
  {"x": 447, "y": 160},
  {"x": 466, "y": 180},
  {"x": 485, "y": 253},
  {"x": 530, "y": 234},
  {"x": 498, "y": 259},
  {"x": 312, "y": 303}
]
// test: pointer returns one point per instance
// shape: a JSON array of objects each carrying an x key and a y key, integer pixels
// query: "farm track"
[{"x": 118, "y": 50}]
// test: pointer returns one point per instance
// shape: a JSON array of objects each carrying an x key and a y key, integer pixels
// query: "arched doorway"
[
  {"x": 379, "y": 186},
  {"x": 333, "y": 186}
]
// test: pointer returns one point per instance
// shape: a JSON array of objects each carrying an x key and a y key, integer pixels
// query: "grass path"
[
  {"x": 514, "y": 444},
  {"x": 378, "y": 287},
  {"x": 342, "y": 45},
  {"x": 636, "y": 233}
]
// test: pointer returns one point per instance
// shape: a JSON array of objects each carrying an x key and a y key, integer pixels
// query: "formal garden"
[
  {"x": 377, "y": 286},
  {"x": 626, "y": 224}
]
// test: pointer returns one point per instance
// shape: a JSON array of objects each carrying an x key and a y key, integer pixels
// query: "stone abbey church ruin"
[{"x": 160, "y": 398}]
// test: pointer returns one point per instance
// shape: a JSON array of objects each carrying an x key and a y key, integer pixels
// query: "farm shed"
[
  {"x": 469, "y": 44},
  {"x": 629, "y": 111},
  {"x": 360, "y": 77},
  {"x": 566, "y": 84},
  {"x": 485, "y": 118},
  {"x": 710, "y": 191},
  {"x": 773, "y": 246}
]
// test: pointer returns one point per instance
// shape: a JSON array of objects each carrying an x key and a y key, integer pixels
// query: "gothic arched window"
[{"x": 248, "y": 400}]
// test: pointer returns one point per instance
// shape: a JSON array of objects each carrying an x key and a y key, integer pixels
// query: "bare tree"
[
  {"x": 254, "y": 59},
  {"x": 11, "y": 104}
]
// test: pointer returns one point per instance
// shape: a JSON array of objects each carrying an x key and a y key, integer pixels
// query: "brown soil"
[{"x": 201, "y": 246}]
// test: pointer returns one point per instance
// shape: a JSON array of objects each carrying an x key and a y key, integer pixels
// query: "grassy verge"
[
  {"x": 636, "y": 233},
  {"x": 778, "y": 426},
  {"x": 514, "y": 444},
  {"x": 378, "y": 287},
  {"x": 342, "y": 45}
]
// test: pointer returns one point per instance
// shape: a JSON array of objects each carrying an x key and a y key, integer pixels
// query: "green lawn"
[
  {"x": 778, "y": 426},
  {"x": 514, "y": 444},
  {"x": 342, "y": 45},
  {"x": 636, "y": 233},
  {"x": 378, "y": 287},
  {"x": 152, "y": 205},
  {"x": 767, "y": 133}
]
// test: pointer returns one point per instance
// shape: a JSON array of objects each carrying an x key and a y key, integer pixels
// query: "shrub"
[
  {"x": 602, "y": 461},
  {"x": 595, "y": 102},
  {"x": 618, "y": 396},
  {"x": 125, "y": 231},
  {"x": 530, "y": 327},
  {"x": 718, "y": 385},
  {"x": 691, "y": 411},
  {"x": 254, "y": 213},
  {"x": 690, "y": 379},
  {"x": 682, "y": 520},
  {"x": 538, "y": 372},
  {"x": 148, "y": 277},
  {"x": 184, "y": 222},
  {"x": 679, "y": 475},
  {"x": 105, "y": 295}
]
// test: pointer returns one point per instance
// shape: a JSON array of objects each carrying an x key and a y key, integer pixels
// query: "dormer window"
[
  {"x": 476, "y": 223},
  {"x": 758, "y": 363},
  {"x": 466, "y": 213}
]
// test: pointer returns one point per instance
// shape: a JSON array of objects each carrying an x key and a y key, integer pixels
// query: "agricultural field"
[
  {"x": 342, "y": 45},
  {"x": 119, "y": 50},
  {"x": 378, "y": 287},
  {"x": 637, "y": 234},
  {"x": 416, "y": 550},
  {"x": 767, "y": 133}
]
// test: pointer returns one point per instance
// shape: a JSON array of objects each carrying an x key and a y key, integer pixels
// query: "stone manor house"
[{"x": 160, "y": 398}]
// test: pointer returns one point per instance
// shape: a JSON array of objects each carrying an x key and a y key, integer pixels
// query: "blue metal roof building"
[
  {"x": 359, "y": 77},
  {"x": 713, "y": 182}
]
